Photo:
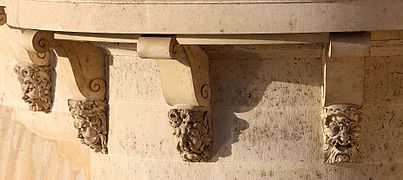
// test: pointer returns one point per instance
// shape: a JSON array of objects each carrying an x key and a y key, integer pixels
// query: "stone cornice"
[{"x": 183, "y": 18}]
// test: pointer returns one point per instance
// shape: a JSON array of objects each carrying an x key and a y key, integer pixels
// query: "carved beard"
[{"x": 341, "y": 135}]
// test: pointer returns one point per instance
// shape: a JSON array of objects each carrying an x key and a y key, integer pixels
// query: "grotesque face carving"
[
  {"x": 36, "y": 86},
  {"x": 90, "y": 121},
  {"x": 192, "y": 129},
  {"x": 341, "y": 131}
]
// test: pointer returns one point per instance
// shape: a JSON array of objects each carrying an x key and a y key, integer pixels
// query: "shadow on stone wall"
[{"x": 240, "y": 77}]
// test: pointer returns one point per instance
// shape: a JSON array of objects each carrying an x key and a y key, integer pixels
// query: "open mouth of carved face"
[
  {"x": 342, "y": 153},
  {"x": 343, "y": 147}
]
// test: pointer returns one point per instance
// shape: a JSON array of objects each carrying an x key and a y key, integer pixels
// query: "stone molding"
[
  {"x": 341, "y": 132},
  {"x": 191, "y": 17}
]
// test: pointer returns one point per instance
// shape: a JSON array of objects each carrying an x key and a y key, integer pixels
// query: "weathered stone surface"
[
  {"x": 130, "y": 72},
  {"x": 265, "y": 119},
  {"x": 206, "y": 16}
]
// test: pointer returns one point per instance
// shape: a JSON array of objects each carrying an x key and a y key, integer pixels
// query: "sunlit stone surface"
[{"x": 266, "y": 99}]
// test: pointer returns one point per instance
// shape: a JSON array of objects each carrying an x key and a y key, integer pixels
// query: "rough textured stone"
[{"x": 266, "y": 121}]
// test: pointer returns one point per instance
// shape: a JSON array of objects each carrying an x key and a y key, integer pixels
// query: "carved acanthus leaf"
[
  {"x": 193, "y": 133},
  {"x": 90, "y": 118},
  {"x": 341, "y": 131},
  {"x": 36, "y": 86}
]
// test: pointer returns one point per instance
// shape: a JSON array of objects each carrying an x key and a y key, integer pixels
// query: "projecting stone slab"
[{"x": 205, "y": 16}]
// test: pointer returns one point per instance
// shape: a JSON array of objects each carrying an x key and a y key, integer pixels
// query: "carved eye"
[
  {"x": 25, "y": 73},
  {"x": 172, "y": 116},
  {"x": 333, "y": 142},
  {"x": 183, "y": 116}
]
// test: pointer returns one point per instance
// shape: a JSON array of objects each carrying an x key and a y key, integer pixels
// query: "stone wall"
[{"x": 266, "y": 120}]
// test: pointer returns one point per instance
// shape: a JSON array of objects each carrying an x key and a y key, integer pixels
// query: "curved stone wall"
[
  {"x": 266, "y": 119},
  {"x": 205, "y": 16}
]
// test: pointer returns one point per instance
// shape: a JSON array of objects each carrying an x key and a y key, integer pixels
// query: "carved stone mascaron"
[
  {"x": 90, "y": 120},
  {"x": 193, "y": 133},
  {"x": 36, "y": 86},
  {"x": 341, "y": 131}
]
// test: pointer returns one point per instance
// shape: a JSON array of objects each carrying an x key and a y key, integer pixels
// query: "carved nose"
[
  {"x": 344, "y": 137},
  {"x": 343, "y": 128}
]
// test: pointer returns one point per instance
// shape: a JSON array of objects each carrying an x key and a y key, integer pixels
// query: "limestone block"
[
  {"x": 129, "y": 74},
  {"x": 381, "y": 72},
  {"x": 386, "y": 43},
  {"x": 267, "y": 135},
  {"x": 266, "y": 75},
  {"x": 146, "y": 134},
  {"x": 206, "y": 17}
]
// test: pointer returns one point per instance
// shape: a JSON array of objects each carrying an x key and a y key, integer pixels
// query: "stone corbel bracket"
[
  {"x": 89, "y": 106},
  {"x": 34, "y": 75},
  {"x": 184, "y": 74},
  {"x": 343, "y": 96}
]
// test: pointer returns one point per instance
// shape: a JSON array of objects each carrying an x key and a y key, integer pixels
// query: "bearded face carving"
[
  {"x": 193, "y": 133},
  {"x": 90, "y": 121},
  {"x": 341, "y": 131},
  {"x": 36, "y": 86}
]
